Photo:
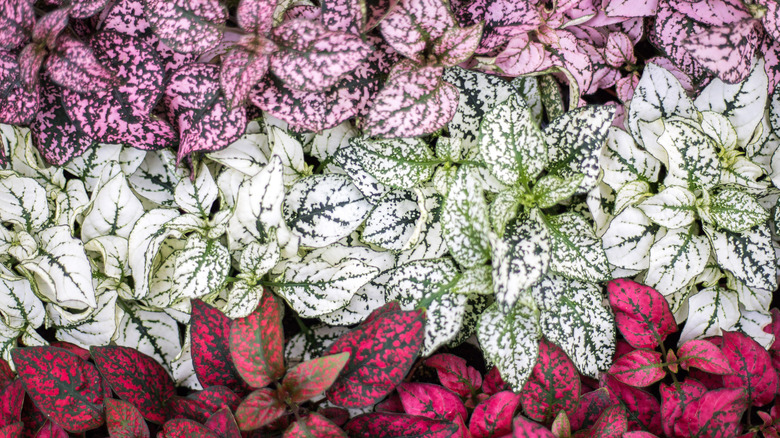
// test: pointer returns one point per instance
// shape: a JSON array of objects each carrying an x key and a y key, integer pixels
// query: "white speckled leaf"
[
  {"x": 552, "y": 100},
  {"x": 114, "y": 212},
  {"x": 528, "y": 88},
  {"x": 551, "y": 189},
  {"x": 692, "y": 154},
  {"x": 430, "y": 244},
  {"x": 197, "y": 196},
  {"x": 89, "y": 166},
  {"x": 201, "y": 268},
  {"x": 369, "y": 297},
  {"x": 401, "y": 163},
  {"x": 576, "y": 251},
  {"x": 748, "y": 255},
  {"x": 143, "y": 243},
  {"x": 241, "y": 300},
  {"x": 258, "y": 258},
  {"x": 475, "y": 305},
  {"x": 752, "y": 323},
  {"x": 258, "y": 206},
  {"x": 628, "y": 240},
  {"x": 475, "y": 281},
  {"x": 348, "y": 158},
  {"x": 290, "y": 151},
  {"x": 573, "y": 318},
  {"x": 70, "y": 204},
  {"x": 151, "y": 332},
  {"x": 749, "y": 298},
  {"x": 504, "y": 208},
  {"x": 674, "y": 207},
  {"x": 444, "y": 320},
  {"x": 719, "y": 127},
  {"x": 676, "y": 259},
  {"x": 465, "y": 223},
  {"x": 156, "y": 177},
  {"x": 511, "y": 342},
  {"x": 95, "y": 328},
  {"x": 395, "y": 222},
  {"x": 412, "y": 281},
  {"x": 24, "y": 202},
  {"x": 622, "y": 161},
  {"x": 710, "y": 311},
  {"x": 736, "y": 210},
  {"x": 248, "y": 155},
  {"x": 112, "y": 252},
  {"x": 631, "y": 194},
  {"x": 310, "y": 345},
  {"x": 18, "y": 304}
]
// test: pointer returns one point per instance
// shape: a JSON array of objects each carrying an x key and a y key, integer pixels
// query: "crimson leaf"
[
  {"x": 703, "y": 355},
  {"x": 257, "y": 343},
  {"x": 181, "y": 428},
  {"x": 493, "y": 417},
  {"x": 124, "y": 421},
  {"x": 209, "y": 341},
  {"x": 200, "y": 405},
  {"x": 455, "y": 374},
  {"x": 259, "y": 408},
  {"x": 638, "y": 368},
  {"x": 432, "y": 401},
  {"x": 384, "y": 425},
  {"x": 752, "y": 367},
  {"x": 554, "y": 384},
  {"x": 641, "y": 313},
  {"x": 314, "y": 426},
  {"x": 311, "y": 378}
]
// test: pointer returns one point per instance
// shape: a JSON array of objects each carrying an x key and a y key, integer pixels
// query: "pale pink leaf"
[
  {"x": 17, "y": 18},
  {"x": 49, "y": 27},
  {"x": 86, "y": 8},
  {"x": 469, "y": 12},
  {"x": 312, "y": 58},
  {"x": 726, "y": 50},
  {"x": 712, "y": 12},
  {"x": 54, "y": 135},
  {"x": 631, "y": 8},
  {"x": 671, "y": 28},
  {"x": 685, "y": 80},
  {"x": 344, "y": 15},
  {"x": 73, "y": 66},
  {"x": 376, "y": 11},
  {"x": 512, "y": 18},
  {"x": 414, "y": 102},
  {"x": 413, "y": 23},
  {"x": 30, "y": 62},
  {"x": 256, "y": 16},
  {"x": 619, "y": 50},
  {"x": 432, "y": 401},
  {"x": 771, "y": 52},
  {"x": 457, "y": 45},
  {"x": 625, "y": 87},
  {"x": 239, "y": 73},
  {"x": 523, "y": 56},
  {"x": 187, "y": 26},
  {"x": 771, "y": 18}
]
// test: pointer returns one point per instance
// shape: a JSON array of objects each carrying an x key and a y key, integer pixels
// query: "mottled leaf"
[
  {"x": 752, "y": 368},
  {"x": 510, "y": 341},
  {"x": 641, "y": 313},
  {"x": 256, "y": 344},
  {"x": 73, "y": 66},
  {"x": 311, "y": 378},
  {"x": 391, "y": 425},
  {"x": 123, "y": 420},
  {"x": 187, "y": 27},
  {"x": 493, "y": 417},
  {"x": 554, "y": 384}
]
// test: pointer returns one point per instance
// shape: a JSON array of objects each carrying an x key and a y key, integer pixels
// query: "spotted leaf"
[
  {"x": 209, "y": 341},
  {"x": 258, "y": 206},
  {"x": 736, "y": 211},
  {"x": 510, "y": 341},
  {"x": 200, "y": 405},
  {"x": 747, "y": 255},
  {"x": 73, "y": 66},
  {"x": 255, "y": 16},
  {"x": 524, "y": 428},
  {"x": 223, "y": 424},
  {"x": 465, "y": 220},
  {"x": 554, "y": 384},
  {"x": 241, "y": 70},
  {"x": 710, "y": 311},
  {"x": 17, "y": 18},
  {"x": 641, "y": 313},
  {"x": 589, "y": 409},
  {"x": 575, "y": 249},
  {"x": 314, "y": 426},
  {"x": 187, "y": 27},
  {"x": 382, "y": 352},
  {"x": 676, "y": 259},
  {"x": 311, "y": 378},
  {"x": 432, "y": 401},
  {"x": 124, "y": 420},
  {"x": 457, "y": 44},
  {"x": 672, "y": 27},
  {"x": 613, "y": 422},
  {"x": 638, "y": 368},
  {"x": 705, "y": 356},
  {"x": 716, "y": 413},
  {"x": 399, "y": 163},
  {"x": 726, "y": 50},
  {"x": 752, "y": 366},
  {"x": 455, "y": 374},
  {"x": 115, "y": 210},
  {"x": 307, "y": 346},
  {"x": 673, "y": 207},
  {"x": 201, "y": 268},
  {"x": 56, "y": 138},
  {"x": 136, "y": 378},
  {"x": 181, "y": 428},
  {"x": 410, "y": 25},
  {"x": 692, "y": 155},
  {"x": 493, "y": 417},
  {"x": 391, "y": 425},
  {"x": 66, "y": 388},
  {"x": 395, "y": 222},
  {"x": 256, "y": 344}
]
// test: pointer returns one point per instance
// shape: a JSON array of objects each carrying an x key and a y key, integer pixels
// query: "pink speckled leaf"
[
  {"x": 752, "y": 367},
  {"x": 389, "y": 425},
  {"x": 30, "y": 62},
  {"x": 523, "y": 56},
  {"x": 17, "y": 19},
  {"x": 73, "y": 66},
  {"x": 641, "y": 313},
  {"x": 86, "y": 8},
  {"x": 182, "y": 428},
  {"x": 674, "y": 398},
  {"x": 457, "y": 45},
  {"x": 493, "y": 417},
  {"x": 726, "y": 50},
  {"x": 314, "y": 426},
  {"x": 240, "y": 72},
  {"x": 201, "y": 405},
  {"x": 344, "y": 15},
  {"x": 613, "y": 423},
  {"x": 122, "y": 115},
  {"x": 311, "y": 378},
  {"x": 432, "y": 401},
  {"x": 259, "y": 408},
  {"x": 210, "y": 129},
  {"x": 414, "y": 102},
  {"x": 17, "y": 105},
  {"x": 187, "y": 26},
  {"x": 631, "y": 8},
  {"x": 9, "y": 70},
  {"x": 11, "y": 401},
  {"x": 124, "y": 421},
  {"x": 625, "y": 86},
  {"x": 703, "y": 355},
  {"x": 589, "y": 409},
  {"x": 771, "y": 52},
  {"x": 49, "y": 27},
  {"x": 51, "y": 430},
  {"x": 671, "y": 28},
  {"x": 619, "y": 50},
  {"x": 716, "y": 414},
  {"x": 256, "y": 16},
  {"x": 574, "y": 59},
  {"x": 525, "y": 428},
  {"x": 313, "y": 58},
  {"x": 638, "y": 368},
  {"x": 554, "y": 384},
  {"x": 771, "y": 18},
  {"x": 712, "y": 12},
  {"x": 54, "y": 135},
  {"x": 455, "y": 374},
  {"x": 413, "y": 23},
  {"x": 511, "y": 18}
]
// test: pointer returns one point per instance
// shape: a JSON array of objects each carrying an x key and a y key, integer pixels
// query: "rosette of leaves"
[{"x": 689, "y": 200}]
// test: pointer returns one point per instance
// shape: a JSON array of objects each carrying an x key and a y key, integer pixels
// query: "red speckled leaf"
[
  {"x": 54, "y": 135},
  {"x": 80, "y": 352},
  {"x": 209, "y": 343},
  {"x": 73, "y": 66},
  {"x": 314, "y": 426},
  {"x": 311, "y": 378},
  {"x": 17, "y": 18},
  {"x": 671, "y": 28},
  {"x": 18, "y": 106},
  {"x": 200, "y": 405},
  {"x": 455, "y": 374},
  {"x": 32, "y": 417},
  {"x": 674, "y": 398},
  {"x": 122, "y": 115},
  {"x": 703, "y": 355},
  {"x": 65, "y": 387},
  {"x": 259, "y": 408},
  {"x": 716, "y": 414},
  {"x": 589, "y": 409},
  {"x": 638, "y": 368},
  {"x": 432, "y": 401},
  {"x": 7, "y": 375},
  {"x": 240, "y": 72},
  {"x": 344, "y": 15},
  {"x": 493, "y": 417},
  {"x": 752, "y": 368},
  {"x": 181, "y": 428},
  {"x": 413, "y": 23},
  {"x": 642, "y": 407},
  {"x": 385, "y": 425},
  {"x": 224, "y": 424},
  {"x": 415, "y": 101},
  {"x": 12, "y": 430},
  {"x": 313, "y": 58},
  {"x": 124, "y": 421},
  {"x": 49, "y": 27},
  {"x": 136, "y": 378},
  {"x": 339, "y": 416},
  {"x": 641, "y": 313},
  {"x": 457, "y": 45},
  {"x": 725, "y": 50},
  {"x": 51, "y": 430},
  {"x": 257, "y": 344},
  {"x": 612, "y": 423},
  {"x": 493, "y": 382},
  {"x": 255, "y": 16},
  {"x": 11, "y": 401},
  {"x": 187, "y": 26},
  {"x": 382, "y": 352},
  {"x": 391, "y": 404},
  {"x": 554, "y": 384},
  {"x": 774, "y": 329},
  {"x": 619, "y": 50},
  {"x": 525, "y": 428}
]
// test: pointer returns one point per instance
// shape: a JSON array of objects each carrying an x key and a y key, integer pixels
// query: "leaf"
[
  {"x": 703, "y": 355},
  {"x": 223, "y": 424},
  {"x": 19, "y": 305},
  {"x": 313, "y": 58},
  {"x": 613, "y": 422},
  {"x": 749, "y": 255},
  {"x": 201, "y": 268},
  {"x": 258, "y": 207},
  {"x": 736, "y": 211},
  {"x": 572, "y": 317},
  {"x": 180, "y": 428},
  {"x": 241, "y": 70},
  {"x": 395, "y": 222},
  {"x": 314, "y": 426},
  {"x": 114, "y": 211},
  {"x": 551, "y": 190},
  {"x": 73, "y": 66},
  {"x": 457, "y": 44},
  {"x": 124, "y": 421},
  {"x": 24, "y": 202},
  {"x": 11, "y": 400},
  {"x": 676, "y": 259},
  {"x": 673, "y": 207},
  {"x": 432, "y": 401},
  {"x": 641, "y": 313},
  {"x": 465, "y": 224},
  {"x": 209, "y": 341},
  {"x": 391, "y": 425},
  {"x": 410, "y": 25},
  {"x": 136, "y": 378},
  {"x": 709, "y": 312},
  {"x": 554, "y": 384},
  {"x": 692, "y": 155},
  {"x": 323, "y": 209},
  {"x": 66, "y": 388},
  {"x": 736, "y": 42},
  {"x": 628, "y": 240},
  {"x": 91, "y": 327},
  {"x": 18, "y": 18},
  {"x": 638, "y": 368},
  {"x": 454, "y": 374},
  {"x": 493, "y": 417},
  {"x": 575, "y": 249},
  {"x": 197, "y": 196},
  {"x": 589, "y": 409},
  {"x": 413, "y": 102},
  {"x": 186, "y": 27},
  {"x": 523, "y": 428},
  {"x": 382, "y": 351},
  {"x": 399, "y": 163},
  {"x": 716, "y": 413},
  {"x": 200, "y": 405},
  {"x": 153, "y": 333},
  {"x": 311, "y": 378},
  {"x": 510, "y": 341},
  {"x": 670, "y": 29},
  {"x": 255, "y": 16},
  {"x": 345, "y": 15},
  {"x": 752, "y": 368},
  {"x": 256, "y": 344}
]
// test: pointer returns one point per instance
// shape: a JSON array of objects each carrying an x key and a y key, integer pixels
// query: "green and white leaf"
[
  {"x": 551, "y": 189},
  {"x": 475, "y": 281},
  {"x": 444, "y": 320},
  {"x": 18, "y": 304},
  {"x": 401, "y": 163},
  {"x": 325, "y": 144},
  {"x": 576, "y": 251},
  {"x": 311, "y": 344},
  {"x": 573, "y": 317},
  {"x": 112, "y": 252},
  {"x": 511, "y": 342},
  {"x": 290, "y": 151},
  {"x": 749, "y": 255},
  {"x": 742, "y": 172},
  {"x": 504, "y": 208},
  {"x": 395, "y": 222},
  {"x": 475, "y": 305},
  {"x": 153, "y": 333},
  {"x": 430, "y": 244},
  {"x": 631, "y": 194},
  {"x": 25, "y": 159},
  {"x": 622, "y": 161},
  {"x": 674, "y": 207},
  {"x": 24, "y": 202},
  {"x": 197, "y": 196},
  {"x": 412, "y": 281},
  {"x": 89, "y": 166},
  {"x": 157, "y": 177},
  {"x": 369, "y": 297},
  {"x": 258, "y": 206},
  {"x": 721, "y": 130},
  {"x": 95, "y": 328},
  {"x": 70, "y": 204},
  {"x": 676, "y": 259},
  {"x": 241, "y": 299},
  {"x": 201, "y": 267},
  {"x": 552, "y": 100},
  {"x": 248, "y": 155},
  {"x": 709, "y": 312},
  {"x": 20, "y": 245},
  {"x": 752, "y": 323},
  {"x": 749, "y": 299},
  {"x": 465, "y": 223},
  {"x": 736, "y": 211},
  {"x": 143, "y": 243},
  {"x": 449, "y": 149},
  {"x": 528, "y": 88},
  {"x": 8, "y": 337},
  {"x": 351, "y": 163},
  {"x": 257, "y": 259},
  {"x": 693, "y": 155},
  {"x": 114, "y": 211}
]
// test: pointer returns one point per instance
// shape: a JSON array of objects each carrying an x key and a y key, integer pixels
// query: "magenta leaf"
[
  {"x": 13, "y": 430},
  {"x": 641, "y": 313},
  {"x": 183, "y": 428},
  {"x": 703, "y": 355},
  {"x": 51, "y": 430},
  {"x": 255, "y": 16},
  {"x": 136, "y": 378},
  {"x": 313, "y": 58},
  {"x": 200, "y": 405},
  {"x": 9, "y": 70},
  {"x": 311, "y": 378},
  {"x": 715, "y": 414},
  {"x": 674, "y": 398},
  {"x": 344, "y": 15},
  {"x": 209, "y": 341},
  {"x": 314, "y": 426},
  {"x": 415, "y": 101},
  {"x": 258, "y": 409},
  {"x": 432, "y": 401},
  {"x": 613, "y": 423},
  {"x": 493, "y": 417},
  {"x": 619, "y": 50},
  {"x": 725, "y": 50},
  {"x": 124, "y": 421},
  {"x": 17, "y": 19},
  {"x": 455, "y": 374},
  {"x": 11, "y": 402},
  {"x": 224, "y": 424},
  {"x": 387, "y": 425},
  {"x": 493, "y": 382},
  {"x": 382, "y": 352},
  {"x": 525, "y": 428},
  {"x": 457, "y": 45},
  {"x": 66, "y": 388},
  {"x": 240, "y": 72},
  {"x": 49, "y": 27},
  {"x": 72, "y": 65},
  {"x": 671, "y": 28},
  {"x": 642, "y": 407},
  {"x": 638, "y": 368},
  {"x": 752, "y": 368},
  {"x": 554, "y": 384},
  {"x": 413, "y": 23},
  {"x": 773, "y": 328},
  {"x": 187, "y": 26},
  {"x": 257, "y": 343},
  {"x": 589, "y": 409}
]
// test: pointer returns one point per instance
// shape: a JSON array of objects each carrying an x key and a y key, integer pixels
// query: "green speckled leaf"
[
  {"x": 201, "y": 267},
  {"x": 676, "y": 259},
  {"x": 551, "y": 189},
  {"x": 402, "y": 163},
  {"x": 511, "y": 342},
  {"x": 576, "y": 251},
  {"x": 736, "y": 211},
  {"x": 692, "y": 154},
  {"x": 674, "y": 207},
  {"x": 465, "y": 222},
  {"x": 748, "y": 255}
]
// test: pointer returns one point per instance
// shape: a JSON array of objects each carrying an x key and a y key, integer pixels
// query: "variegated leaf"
[
  {"x": 411, "y": 24},
  {"x": 551, "y": 189},
  {"x": 511, "y": 342},
  {"x": 187, "y": 27},
  {"x": 90, "y": 167},
  {"x": 156, "y": 178},
  {"x": 576, "y": 251},
  {"x": 196, "y": 196},
  {"x": 709, "y": 312},
  {"x": 748, "y": 255},
  {"x": 201, "y": 268},
  {"x": 115, "y": 210},
  {"x": 400, "y": 163},
  {"x": 312, "y": 343},
  {"x": 24, "y": 202},
  {"x": 368, "y": 298},
  {"x": 628, "y": 240},
  {"x": 395, "y": 222},
  {"x": 692, "y": 155},
  {"x": 736, "y": 211},
  {"x": 258, "y": 207},
  {"x": 153, "y": 333},
  {"x": 144, "y": 241},
  {"x": 630, "y": 195},
  {"x": 504, "y": 208},
  {"x": 18, "y": 304},
  {"x": 257, "y": 259},
  {"x": 290, "y": 151},
  {"x": 97, "y": 327},
  {"x": 112, "y": 252},
  {"x": 573, "y": 317},
  {"x": 622, "y": 161},
  {"x": 465, "y": 222},
  {"x": 674, "y": 207},
  {"x": 247, "y": 155},
  {"x": 676, "y": 259},
  {"x": 752, "y": 323}
]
